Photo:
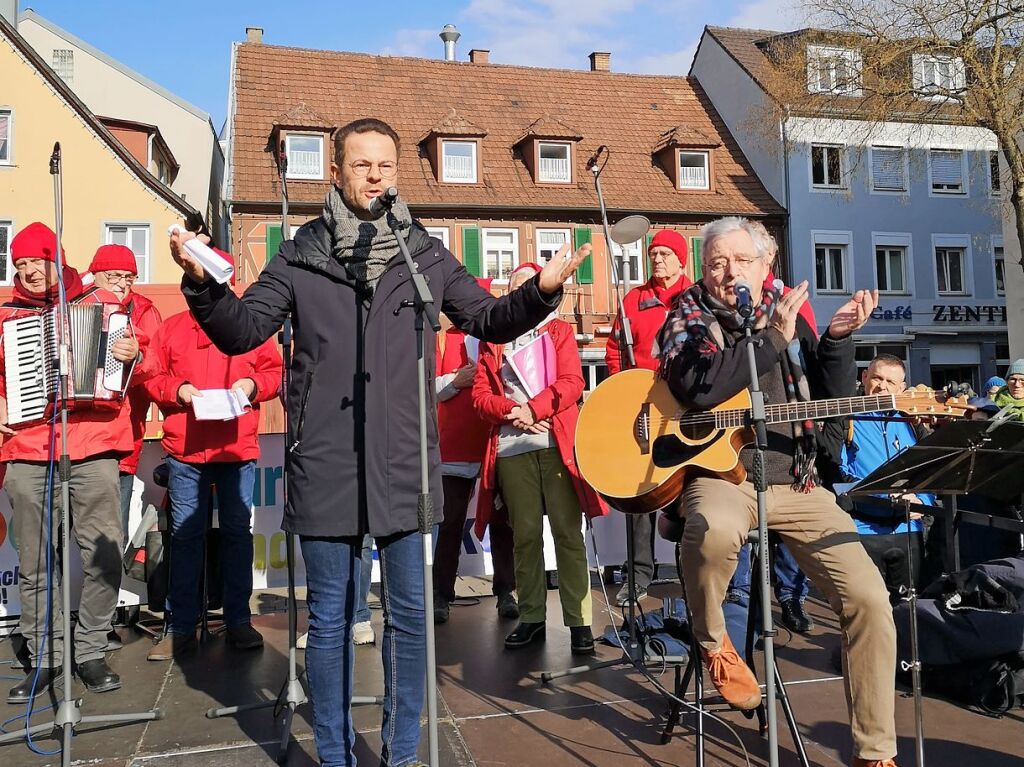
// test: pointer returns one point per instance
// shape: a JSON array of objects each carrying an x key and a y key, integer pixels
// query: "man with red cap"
[
  {"x": 98, "y": 436},
  {"x": 202, "y": 455},
  {"x": 647, "y": 306}
]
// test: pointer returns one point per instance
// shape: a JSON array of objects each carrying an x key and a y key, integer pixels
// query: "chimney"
[
  {"x": 480, "y": 56},
  {"x": 254, "y": 34},
  {"x": 9, "y": 10},
  {"x": 450, "y": 35},
  {"x": 600, "y": 61}
]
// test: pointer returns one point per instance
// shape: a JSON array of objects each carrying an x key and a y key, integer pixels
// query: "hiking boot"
[
  {"x": 581, "y": 640},
  {"x": 524, "y": 634},
  {"x": 362, "y": 633},
  {"x": 173, "y": 646},
  {"x": 507, "y": 606},
  {"x": 622, "y": 598},
  {"x": 97, "y": 676},
  {"x": 732, "y": 677},
  {"x": 22, "y": 692},
  {"x": 794, "y": 618},
  {"x": 874, "y": 763},
  {"x": 244, "y": 637}
]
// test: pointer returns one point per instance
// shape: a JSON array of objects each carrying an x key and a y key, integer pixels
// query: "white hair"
[{"x": 723, "y": 226}]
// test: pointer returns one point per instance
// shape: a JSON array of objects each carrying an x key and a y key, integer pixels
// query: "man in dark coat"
[{"x": 352, "y": 416}]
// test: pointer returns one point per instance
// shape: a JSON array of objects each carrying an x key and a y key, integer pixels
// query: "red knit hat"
[
  {"x": 36, "y": 241},
  {"x": 114, "y": 257},
  {"x": 671, "y": 239}
]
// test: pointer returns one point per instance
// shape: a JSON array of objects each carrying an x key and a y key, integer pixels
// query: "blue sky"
[{"x": 185, "y": 46}]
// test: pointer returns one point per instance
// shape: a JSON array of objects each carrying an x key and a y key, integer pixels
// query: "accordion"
[{"x": 31, "y": 359}]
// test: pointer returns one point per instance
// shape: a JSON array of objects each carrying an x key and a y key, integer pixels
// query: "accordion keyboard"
[{"x": 26, "y": 363}]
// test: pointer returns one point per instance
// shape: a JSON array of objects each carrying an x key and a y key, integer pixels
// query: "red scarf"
[{"x": 72, "y": 286}]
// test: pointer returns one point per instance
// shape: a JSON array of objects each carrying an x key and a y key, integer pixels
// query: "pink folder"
[{"x": 534, "y": 364}]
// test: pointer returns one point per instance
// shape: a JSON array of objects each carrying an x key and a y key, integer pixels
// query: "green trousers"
[{"x": 531, "y": 485}]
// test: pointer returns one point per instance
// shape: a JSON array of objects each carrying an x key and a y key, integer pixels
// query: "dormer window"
[
  {"x": 458, "y": 162},
  {"x": 305, "y": 156},
  {"x": 554, "y": 164},
  {"x": 939, "y": 77},
  {"x": 833, "y": 70},
  {"x": 694, "y": 170}
]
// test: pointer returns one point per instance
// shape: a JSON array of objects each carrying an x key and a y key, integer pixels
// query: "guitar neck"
[{"x": 809, "y": 411}]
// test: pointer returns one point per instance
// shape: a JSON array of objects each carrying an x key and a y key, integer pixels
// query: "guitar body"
[{"x": 630, "y": 447}]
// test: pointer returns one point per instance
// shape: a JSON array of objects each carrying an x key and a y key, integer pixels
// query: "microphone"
[
  {"x": 744, "y": 304},
  {"x": 596, "y": 156},
  {"x": 383, "y": 204}
]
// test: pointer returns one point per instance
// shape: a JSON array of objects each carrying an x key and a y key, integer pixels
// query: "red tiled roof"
[{"x": 628, "y": 113}]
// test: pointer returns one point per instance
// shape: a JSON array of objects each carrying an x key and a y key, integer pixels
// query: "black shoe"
[
  {"x": 113, "y": 641},
  {"x": 794, "y": 618},
  {"x": 581, "y": 640},
  {"x": 441, "y": 609},
  {"x": 622, "y": 598},
  {"x": 524, "y": 634},
  {"x": 22, "y": 692},
  {"x": 244, "y": 637},
  {"x": 97, "y": 676},
  {"x": 507, "y": 606}
]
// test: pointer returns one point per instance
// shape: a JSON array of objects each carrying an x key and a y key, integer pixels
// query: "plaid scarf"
[
  {"x": 699, "y": 324},
  {"x": 364, "y": 248}
]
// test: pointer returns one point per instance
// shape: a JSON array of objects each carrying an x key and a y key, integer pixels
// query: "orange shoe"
[
  {"x": 732, "y": 677},
  {"x": 874, "y": 763}
]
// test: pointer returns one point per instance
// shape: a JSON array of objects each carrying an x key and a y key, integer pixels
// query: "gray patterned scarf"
[{"x": 364, "y": 248}]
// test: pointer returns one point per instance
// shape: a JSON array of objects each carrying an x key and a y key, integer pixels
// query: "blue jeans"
[
  {"x": 790, "y": 581},
  {"x": 366, "y": 577},
  {"x": 189, "y": 489},
  {"x": 333, "y": 585}
]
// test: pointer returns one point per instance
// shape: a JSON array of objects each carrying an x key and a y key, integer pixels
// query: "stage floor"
[{"x": 493, "y": 709}]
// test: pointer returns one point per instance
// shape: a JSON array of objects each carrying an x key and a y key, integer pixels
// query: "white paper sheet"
[{"x": 220, "y": 404}]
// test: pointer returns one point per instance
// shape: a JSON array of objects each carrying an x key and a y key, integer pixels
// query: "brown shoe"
[
  {"x": 732, "y": 677},
  {"x": 874, "y": 763},
  {"x": 172, "y": 646}
]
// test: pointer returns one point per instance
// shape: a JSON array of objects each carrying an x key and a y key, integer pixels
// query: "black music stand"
[{"x": 979, "y": 457}]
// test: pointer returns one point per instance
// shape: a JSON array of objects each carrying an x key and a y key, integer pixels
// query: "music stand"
[{"x": 979, "y": 457}]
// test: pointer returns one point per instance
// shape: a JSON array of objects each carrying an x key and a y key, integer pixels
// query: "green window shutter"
[
  {"x": 274, "y": 240},
  {"x": 647, "y": 251},
  {"x": 471, "y": 258},
  {"x": 695, "y": 247},
  {"x": 585, "y": 272}
]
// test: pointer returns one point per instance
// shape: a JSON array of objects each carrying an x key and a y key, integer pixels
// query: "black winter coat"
[{"x": 353, "y": 430}]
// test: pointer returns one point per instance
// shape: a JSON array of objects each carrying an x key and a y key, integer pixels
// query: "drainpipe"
[{"x": 790, "y": 254}]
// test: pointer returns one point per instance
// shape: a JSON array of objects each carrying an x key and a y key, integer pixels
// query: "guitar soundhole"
[{"x": 696, "y": 431}]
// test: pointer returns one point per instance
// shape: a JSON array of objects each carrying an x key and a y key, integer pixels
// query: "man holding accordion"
[{"x": 99, "y": 435}]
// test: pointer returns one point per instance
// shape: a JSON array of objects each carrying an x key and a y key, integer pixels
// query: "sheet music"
[{"x": 220, "y": 404}]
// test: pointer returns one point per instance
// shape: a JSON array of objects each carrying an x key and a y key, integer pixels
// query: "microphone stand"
[
  {"x": 422, "y": 304},
  {"x": 914, "y": 666},
  {"x": 758, "y": 421},
  {"x": 68, "y": 715}
]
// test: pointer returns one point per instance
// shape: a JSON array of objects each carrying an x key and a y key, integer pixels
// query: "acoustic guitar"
[{"x": 636, "y": 445}]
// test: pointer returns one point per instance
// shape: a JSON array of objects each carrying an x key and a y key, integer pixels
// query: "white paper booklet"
[{"x": 220, "y": 404}]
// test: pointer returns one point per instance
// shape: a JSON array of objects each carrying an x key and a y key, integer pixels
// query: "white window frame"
[
  {"x": 997, "y": 242},
  {"x": 927, "y": 90},
  {"x": 962, "y": 241},
  {"x": 815, "y": 54},
  {"x": 635, "y": 250},
  {"x": 440, "y": 232},
  {"x": 9, "y": 113},
  {"x": 831, "y": 238},
  {"x": 8, "y": 224},
  {"x": 993, "y": 191},
  {"x": 291, "y": 173},
  {"x": 905, "y": 191},
  {"x": 147, "y": 260},
  {"x": 475, "y": 161},
  {"x": 484, "y": 234},
  {"x": 894, "y": 240},
  {"x": 707, "y": 169},
  {"x": 964, "y": 181},
  {"x": 568, "y": 162},
  {"x": 826, "y": 187},
  {"x": 70, "y": 78},
  {"x": 537, "y": 244}
]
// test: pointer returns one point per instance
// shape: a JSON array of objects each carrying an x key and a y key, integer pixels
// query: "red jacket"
[
  {"x": 184, "y": 354},
  {"x": 557, "y": 402},
  {"x": 463, "y": 436},
  {"x": 92, "y": 429},
  {"x": 647, "y": 306},
  {"x": 146, "y": 320}
]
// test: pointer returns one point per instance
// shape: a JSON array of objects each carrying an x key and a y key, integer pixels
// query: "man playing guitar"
[{"x": 704, "y": 362}]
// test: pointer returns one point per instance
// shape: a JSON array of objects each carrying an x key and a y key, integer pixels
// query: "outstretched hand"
[
  {"x": 560, "y": 267},
  {"x": 189, "y": 265},
  {"x": 852, "y": 315}
]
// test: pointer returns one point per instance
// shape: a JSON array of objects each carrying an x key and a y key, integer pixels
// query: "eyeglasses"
[
  {"x": 1015, "y": 381},
  {"x": 387, "y": 169},
  {"x": 719, "y": 265},
  {"x": 127, "y": 279}
]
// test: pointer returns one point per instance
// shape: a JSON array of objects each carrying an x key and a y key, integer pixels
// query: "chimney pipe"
[
  {"x": 480, "y": 56},
  {"x": 254, "y": 34},
  {"x": 450, "y": 35},
  {"x": 600, "y": 61},
  {"x": 9, "y": 10}
]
